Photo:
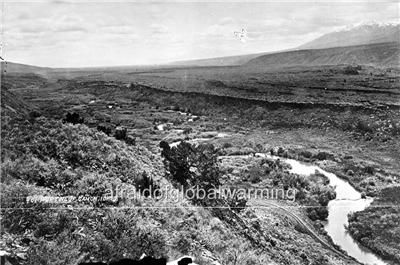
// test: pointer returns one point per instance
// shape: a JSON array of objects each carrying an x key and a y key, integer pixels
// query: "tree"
[
  {"x": 196, "y": 166},
  {"x": 191, "y": 165}
]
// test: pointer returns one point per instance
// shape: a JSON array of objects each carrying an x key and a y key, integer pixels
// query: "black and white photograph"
[{"x": 208, "y": 132}]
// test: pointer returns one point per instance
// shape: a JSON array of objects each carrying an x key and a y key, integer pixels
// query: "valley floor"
[{"x": 354, "y": 135}]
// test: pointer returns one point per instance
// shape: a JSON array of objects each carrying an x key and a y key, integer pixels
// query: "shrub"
[
  {"x": 324, "y": 156},
  {"x": 351, "y": 70},
  {"x": 18, "y": 214},
  {"x": 73, "y": 118},
  {"x": 94, "y": 186},
  {"x": 363, "y": 126},
  {"x": 256, "y": 173},
  {"x": 145, "y": 184},
  {"x": 227, "y": 145},
  {"x": 317, "y": 213},
  {"x": 237, "y": 204},
  {"x": 105, "y": 128},
  {"x": 61, "y": 252},
  {"x": 120, "y": 133},
  {"x": 129, "y": 234},
  {"x": 306, "y": 154}
]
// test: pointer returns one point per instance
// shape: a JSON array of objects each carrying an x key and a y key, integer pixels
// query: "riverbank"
[
  {"x": 377, "y": 227},
  {"x": 347, "y": 200}
]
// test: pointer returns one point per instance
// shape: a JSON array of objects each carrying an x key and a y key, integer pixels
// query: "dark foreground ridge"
[{"x": 146, "y": 90}]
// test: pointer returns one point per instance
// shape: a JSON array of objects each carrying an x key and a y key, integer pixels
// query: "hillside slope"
[
  {"x": 10, "y": 67},
  {"x": 219, "y": 61},
  {"x": 12, "y": 105},
  {"x": 384, "y": 54}
]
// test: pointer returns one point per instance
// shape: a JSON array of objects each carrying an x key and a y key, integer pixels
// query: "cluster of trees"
[
  {"x": 313, "y": 191},
  {"x": 310, "y": 191}
]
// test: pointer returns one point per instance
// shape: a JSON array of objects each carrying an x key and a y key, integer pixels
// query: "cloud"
[
  {"x": 124, "y": 29},
  {"x": 40, "y": 33},
  {"x": 159, "y": 29},
  {"x": 217, "y": 30},
  {"x": 70, "y": 28},
  {"x": 24, "y": 16},
  {"x": 32, "y": 28},
  {"x": 226, "y": 20},
  {"x": 223, "y": 29},
  {"x": 68, "y": 23}
]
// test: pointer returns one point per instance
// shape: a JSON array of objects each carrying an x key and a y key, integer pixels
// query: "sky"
[{"x": 100, "y": 33}]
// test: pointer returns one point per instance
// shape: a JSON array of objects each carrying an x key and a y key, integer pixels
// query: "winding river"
[{"x": 347, "y": 200}]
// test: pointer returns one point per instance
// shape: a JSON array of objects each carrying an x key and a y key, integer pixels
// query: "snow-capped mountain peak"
[
  {"x": 368, "y": 32},
  {"x": 372, "y": 23}
]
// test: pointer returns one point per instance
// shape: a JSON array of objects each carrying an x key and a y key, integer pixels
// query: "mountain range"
[
  {"x": 356, "y": 44},
  {"x": 361, "y": 34},
  {"x": 376, "y": 44}
]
